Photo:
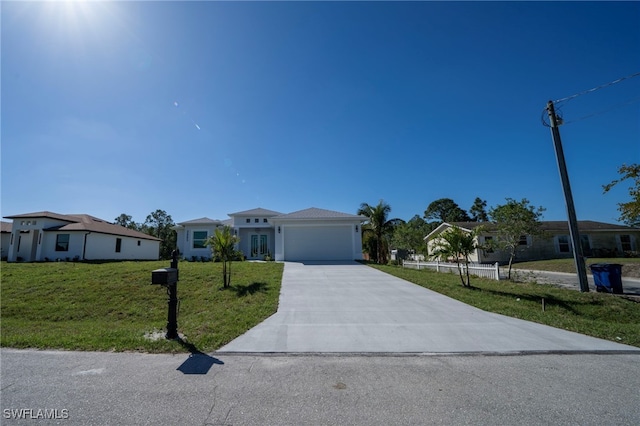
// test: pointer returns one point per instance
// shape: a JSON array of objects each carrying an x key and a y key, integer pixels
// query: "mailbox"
[{"x": 164, "y": 276}]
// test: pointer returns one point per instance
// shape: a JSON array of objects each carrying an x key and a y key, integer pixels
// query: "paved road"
[
  {"x": 224, "y": 389},
  {"x": 353, "y": 308}
]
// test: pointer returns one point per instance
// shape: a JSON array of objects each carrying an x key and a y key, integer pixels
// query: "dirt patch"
[{"x": 631, "y": 270}]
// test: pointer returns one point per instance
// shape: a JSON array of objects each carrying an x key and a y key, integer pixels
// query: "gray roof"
[
  {"x": 85, "y": 222},
  {"x": 316, "y": 213},
  {"x": 201, "y": 221},
  {"x": 256, "y": 212},
  {"x": 6, "y": 226}
]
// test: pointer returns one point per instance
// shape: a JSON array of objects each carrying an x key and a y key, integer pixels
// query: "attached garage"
[
  {"x": 318, "y": 242},
  {"x": 317, "y": 235}
]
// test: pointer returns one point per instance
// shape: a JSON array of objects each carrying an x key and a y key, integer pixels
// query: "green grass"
[
  {"x": 111, "y": 306},
  {"x": 594, "y": 314},
  {"x": 630, "y": 266}
]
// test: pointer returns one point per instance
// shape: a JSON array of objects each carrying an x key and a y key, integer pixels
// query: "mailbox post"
[{"x": 168, "y": 277}]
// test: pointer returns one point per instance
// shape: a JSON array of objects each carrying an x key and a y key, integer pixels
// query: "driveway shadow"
[{"x": 198, "y": 362}]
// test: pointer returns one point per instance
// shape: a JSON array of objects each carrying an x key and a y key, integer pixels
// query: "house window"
[
  {"x": 563, "y": 244},
  {"x": 257, "y": 220},
  {"x": 264, "y": 220},
  {"x": 62, "y": 242},
  {"x": 199, "y": 238},
  {"x": 248, "y": 220},
  {"x": 523, "y": 240},
  {"x": 118, "y": 245},
  {"x": 625, "y": 242},
  {"x": 138, "y": 243}
]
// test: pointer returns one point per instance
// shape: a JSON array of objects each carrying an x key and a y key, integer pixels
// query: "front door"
[{"x": 259, "y": 246}]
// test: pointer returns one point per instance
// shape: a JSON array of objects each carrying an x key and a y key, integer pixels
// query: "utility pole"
[{"x": 568, "y": 198}]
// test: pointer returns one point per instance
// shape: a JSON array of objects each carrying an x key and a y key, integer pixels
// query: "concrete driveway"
[{"x": 352, "y": 308}]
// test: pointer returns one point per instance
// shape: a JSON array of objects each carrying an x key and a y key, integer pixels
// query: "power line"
[
  {"x": 611, "y": 83},
  {"x": 611, "y": 108}
]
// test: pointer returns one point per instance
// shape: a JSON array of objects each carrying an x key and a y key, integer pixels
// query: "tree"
[
  {"x": 629, "y": 211},
  {"x": 159, "y": 224},
  {"x": 514, "y": 220},
  {"x": 478, "y": 211},
  {"x": 445, "y": 210},
  {"x": 126, "y": 221},
  {"x": 410, "y": 235},
  {"x": 222, "y": 244},
  {"x": 379, "y": 228},
  {"x": 458, "y": 244}
]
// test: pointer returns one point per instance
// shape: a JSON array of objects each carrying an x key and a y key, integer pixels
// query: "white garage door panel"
[{"x": 318, "y": 243}]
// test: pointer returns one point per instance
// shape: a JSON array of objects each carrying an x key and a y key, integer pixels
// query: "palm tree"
[
  {"x": 222, "y": 244},
  {"x": 379, "y": 226},
  {"x": 458, "y": 244}
]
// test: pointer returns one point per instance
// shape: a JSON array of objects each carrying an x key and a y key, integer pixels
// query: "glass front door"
[{"x": 259, "y": 246}]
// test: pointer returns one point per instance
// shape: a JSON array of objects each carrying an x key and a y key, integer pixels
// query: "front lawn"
[
  {"x": 111, "y": 306},
  {"x": 630, "y": 266}
]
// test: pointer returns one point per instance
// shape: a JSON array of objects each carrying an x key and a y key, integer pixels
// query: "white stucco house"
[
  {"x": 43, "y": 236},
  {"x": 307, "y": 235}
]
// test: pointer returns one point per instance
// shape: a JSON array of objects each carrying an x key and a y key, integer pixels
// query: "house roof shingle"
[
  {"x": 256, "y": 212},
  {"x": 85, "y": 222},
  {"x": 6, "y": 226},
  {"x": 203, "y": 221},
  {"x": 316, "y": 213}
]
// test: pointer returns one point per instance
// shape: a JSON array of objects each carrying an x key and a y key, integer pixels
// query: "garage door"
[{"x": 318, "y": 243}]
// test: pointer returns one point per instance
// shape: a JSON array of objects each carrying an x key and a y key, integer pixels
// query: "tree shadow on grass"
[
  {"x": 549, "y": 300},
  {"x": 198, "y": 362},
  {"x": 245, "y": 290}
]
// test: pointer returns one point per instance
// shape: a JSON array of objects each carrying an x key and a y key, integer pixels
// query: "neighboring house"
[
  {"x": 6, "y": 239},
  {"x": 598, "y": 240},
  {"x": 46, "y": 236},
  {"x": 311, "y": 234}
]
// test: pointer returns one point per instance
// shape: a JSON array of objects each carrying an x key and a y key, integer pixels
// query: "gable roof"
[
  {"x": 87, "y": 223},
  {"x": 256, "y": 212},
  {"x": 202, "y": 221},
  {"x": 316, "y": 213}
]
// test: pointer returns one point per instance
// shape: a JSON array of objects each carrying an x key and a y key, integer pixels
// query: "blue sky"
[{"x": 207, "y": 108}]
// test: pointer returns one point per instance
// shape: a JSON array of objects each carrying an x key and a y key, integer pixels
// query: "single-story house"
[
  {"x": 5, "y": 233},
  {"x": 598, "y": 240},
  {"x": 307, "y": 235},
  {"x": 43, "y": 236}
]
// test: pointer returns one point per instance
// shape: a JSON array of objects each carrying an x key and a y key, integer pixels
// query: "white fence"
[{"x": 484, "y": 270}]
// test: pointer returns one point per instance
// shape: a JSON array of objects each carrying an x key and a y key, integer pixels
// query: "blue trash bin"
[{"x": 607, "y": 277}]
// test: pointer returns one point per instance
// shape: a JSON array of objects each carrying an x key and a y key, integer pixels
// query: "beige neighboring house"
[
  {"x": 598, "y": 240},
  {"x": 6, "y": 239},
  {"x": 47, "y": 236}
]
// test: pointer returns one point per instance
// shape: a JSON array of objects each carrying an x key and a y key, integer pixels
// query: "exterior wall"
[
  {"x": 48, "y": 246},
  {"x": 185, "y": 241},
  {"x": 350, "y": 227},
  {"x": 103, "y": 246}
]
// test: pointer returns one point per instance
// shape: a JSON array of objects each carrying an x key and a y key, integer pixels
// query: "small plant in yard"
[
  {"x": 222, "y": 245},
  {"x": 458, "y": 244}
]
